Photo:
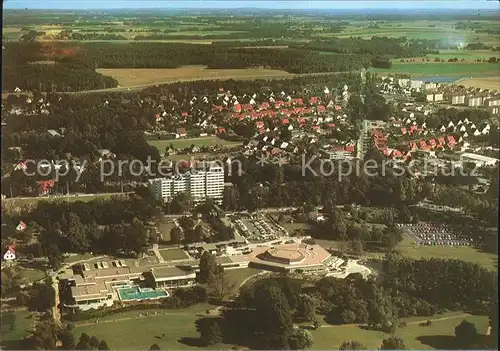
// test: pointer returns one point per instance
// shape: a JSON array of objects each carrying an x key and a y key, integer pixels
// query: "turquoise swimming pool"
[{"x": 136, "y": 293}]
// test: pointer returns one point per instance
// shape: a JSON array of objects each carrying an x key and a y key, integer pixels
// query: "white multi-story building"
[
  {"x": 416, "y": 84},
  {"x": 202, "y": 183},
  {"x": 456, "y": 99},
  {"x": 473, "y": 101},
  {"x": 430, "y": 86},
  {"x": 491, "y": 102},
  {"x": 438, "y": 97}
]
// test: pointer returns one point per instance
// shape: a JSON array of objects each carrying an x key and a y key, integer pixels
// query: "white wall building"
[
  {"x": 201, "y": 183},
  {"x": 430, "y": 86},
  {"x": 473, "y": 101},
  {"x": 479, "y": 160}
]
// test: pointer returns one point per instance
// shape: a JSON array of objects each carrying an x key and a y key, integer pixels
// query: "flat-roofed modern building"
[
  {"x": 163, "y": 277},
  {"x": 202, "y": 183},
  {"x": 479, "y": 160},
  {"x": 99, "y": 287},
  {"x": 287, "y": 257}
]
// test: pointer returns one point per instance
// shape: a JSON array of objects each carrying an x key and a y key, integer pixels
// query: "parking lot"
[
  {"x": 258, "y": 229},
  {"x": 436, "y": 234}
]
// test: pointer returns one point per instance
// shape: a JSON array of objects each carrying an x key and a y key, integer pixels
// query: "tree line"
[
  {"x": 263, "y": 315},
  {"x": 54, "y": 77},
  {"x": 375, "y": 47},
  {"x": 173, "y": 55}
]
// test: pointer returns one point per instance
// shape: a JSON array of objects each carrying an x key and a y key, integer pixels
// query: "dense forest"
[
  {"x": 376, "y": 46},
  {"x": 156, "y": 55},
  {"x": 54, "y": 77}
]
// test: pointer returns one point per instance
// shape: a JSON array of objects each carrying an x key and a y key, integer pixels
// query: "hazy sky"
[{"x": 267, "y": 4}]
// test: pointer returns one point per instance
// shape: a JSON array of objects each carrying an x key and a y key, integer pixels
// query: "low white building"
[{"x": 479, "y": 160}]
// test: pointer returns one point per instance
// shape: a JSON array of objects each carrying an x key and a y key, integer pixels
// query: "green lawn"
[
  {"x": 32, "y": 275},
  {"x": 238, "y": 276},
  {"x": 169, "y": 331},
  {"x": 173, "y": 254},
  {"x": 15, "y": 325},
  {"x": 440, "y": 335},
  {"x": 191, "y": 310},
  {"x": 185, "y": 143},
  {"x": 78, "y": 257},
  {"x": 442, "y": 69},
  {"x": 465, "y": 253},
  {"x": 176, "y": 330}
]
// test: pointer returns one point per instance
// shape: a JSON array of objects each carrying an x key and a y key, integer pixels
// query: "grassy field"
[
  {"x": 465, "y": 54},
  {"x": 122, "y": 316},
  {"x": 236, "y": 277},
  {"x": 465, "y": 253},
  {"x": 418, "y": 29},
  {"x": 31, "y": 275},
  {"x": 129, "y": 77},
  {"x": 185, "y": 143},
  {"x": 440, "y": 335},
  {"x": 173, "y": 254},
  {"x": 15, "y": 325},
  {"x": 174, "y": 330},
  {"x": 442, "y": 69},
  {"x": 492, "y": 83},
  {"x": 78, "y": 257}
]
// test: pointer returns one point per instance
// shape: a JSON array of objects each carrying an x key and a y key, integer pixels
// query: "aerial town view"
[{"x": 250, "y": 175}]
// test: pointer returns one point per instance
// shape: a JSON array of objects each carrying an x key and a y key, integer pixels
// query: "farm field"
[
  {"x": 129, "y": 77},
  {"x": 431, "y": 30},
  {"x": 465, "y": 54},
  {"x": 184, "y": 143},
  {"x": 491, "y": 83},
  {"x": 466, "y": 253},
  {"x": 442, "y": 69},
  {"x": 440, "y": 335}
]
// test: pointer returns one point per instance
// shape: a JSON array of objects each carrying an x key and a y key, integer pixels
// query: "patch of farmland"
[{"x": 129, "y": 77}]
